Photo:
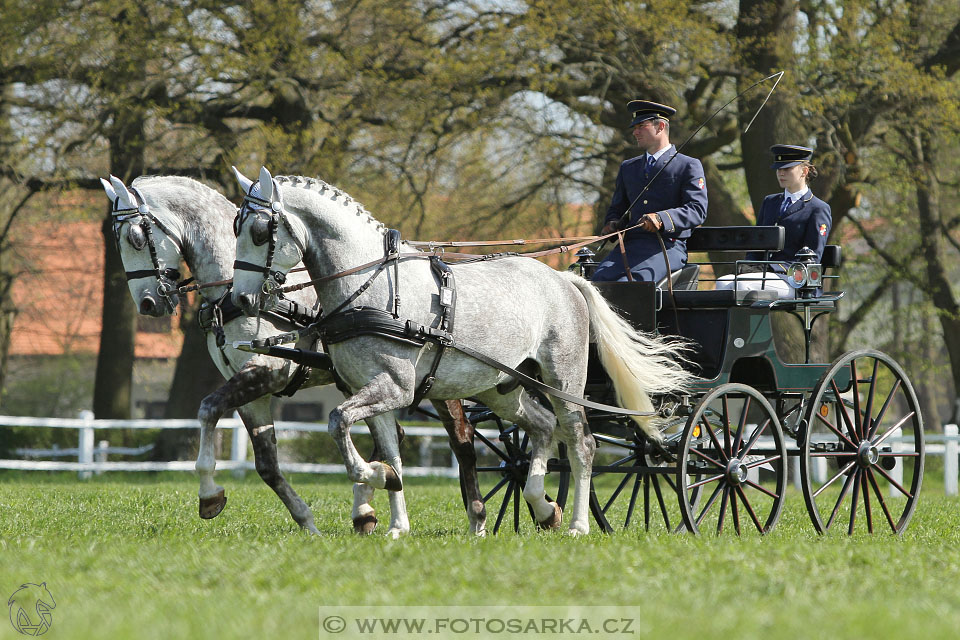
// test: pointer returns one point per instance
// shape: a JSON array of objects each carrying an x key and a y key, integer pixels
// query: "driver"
[{"x": 674, "y": 203}]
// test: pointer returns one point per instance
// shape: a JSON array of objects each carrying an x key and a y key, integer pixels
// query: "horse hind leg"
[
  {"x": 460, "y": 431},
  {"x": 538, "y": 423}
]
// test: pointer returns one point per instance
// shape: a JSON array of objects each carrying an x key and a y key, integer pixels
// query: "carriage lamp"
[
  {"x": 805, "y": 274},
  {"x": 585, "y": 263}
]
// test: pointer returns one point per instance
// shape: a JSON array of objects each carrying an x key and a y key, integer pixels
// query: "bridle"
[
  {"x": 253, "y": 205},
  {"x": 140, "y": 216}
]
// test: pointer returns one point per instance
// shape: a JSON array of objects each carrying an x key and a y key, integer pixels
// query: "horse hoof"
[
  {"x": 552, "y": 522},
  {"x": 393, "y": 480},
  {"x": 364, "y": 525},
  {"x": 211, "y": 507}
]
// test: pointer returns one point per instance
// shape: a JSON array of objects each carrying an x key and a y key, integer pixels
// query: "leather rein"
[{"x": 344, "y": 323}]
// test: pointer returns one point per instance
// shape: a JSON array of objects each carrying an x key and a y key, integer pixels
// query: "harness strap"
[{"x": 369, "y": 321}]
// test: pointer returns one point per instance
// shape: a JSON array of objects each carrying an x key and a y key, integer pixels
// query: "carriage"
[
  {"x": 722, "y": 448},
  {"x": 848, "y": 433}
]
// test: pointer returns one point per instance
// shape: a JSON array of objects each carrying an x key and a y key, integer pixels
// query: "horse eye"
[
  {"x": 136, "y": 236},
  {"x": 260, "y": 230}
]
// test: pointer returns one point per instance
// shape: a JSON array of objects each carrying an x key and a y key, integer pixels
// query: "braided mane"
[{"x": 332, "y": 194}]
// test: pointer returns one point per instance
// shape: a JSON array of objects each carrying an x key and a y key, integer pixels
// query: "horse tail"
[{"x": 638, "y": 364}]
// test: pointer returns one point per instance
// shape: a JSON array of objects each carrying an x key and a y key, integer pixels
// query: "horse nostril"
[{"x": 147, "y": 305}]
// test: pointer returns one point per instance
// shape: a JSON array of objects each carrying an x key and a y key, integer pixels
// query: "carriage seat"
[
  {"x": 715, "y": 298},
  {"x": 686, "y": 278}
]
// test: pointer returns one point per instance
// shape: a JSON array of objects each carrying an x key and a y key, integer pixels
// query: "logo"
[
  {"x": 700, "y": 183},
  {"x": 823, "y": 229},
  {"x": 30, "y": 608}
]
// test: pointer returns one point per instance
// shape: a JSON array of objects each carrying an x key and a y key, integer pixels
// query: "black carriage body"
[{"x": 730, "y": 340}]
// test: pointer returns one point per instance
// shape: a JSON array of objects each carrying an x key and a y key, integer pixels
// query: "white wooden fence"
[{"x": 94, "y": 459}]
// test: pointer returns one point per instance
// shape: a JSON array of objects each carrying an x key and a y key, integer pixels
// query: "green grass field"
[{"x": 126, "y": 556}]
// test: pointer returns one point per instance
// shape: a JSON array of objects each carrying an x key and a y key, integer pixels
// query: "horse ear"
[
  {"x": 110, "y": 192},
  {"x": 245, "y": 182},
  {"x": 266, "y": 184},
  {"x": 126, "y": 198}
]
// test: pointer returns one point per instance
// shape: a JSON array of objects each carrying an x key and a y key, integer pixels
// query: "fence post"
[
  {"x": 426, "y": 453},
  {"x": 100, "y": 455},
  {"x": 897, "y": 472},
  {"x": 85, "y": 442},
  {"x": 238, "y": 449},
  {"x": 951, "y": 450}
]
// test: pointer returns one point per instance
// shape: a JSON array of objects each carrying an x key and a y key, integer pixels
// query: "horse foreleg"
[
  {"x": 379, "y": 396},
  {"x": 460, "y": 432},
  {"x": 387, "y": 434},
  {"x": 364, "y": 516},
  {"x": 243, "y": 387}
]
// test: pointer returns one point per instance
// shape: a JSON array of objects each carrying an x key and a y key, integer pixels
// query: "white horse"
[
  {"x": 182, "y": 219},
  {"x": 514, "y": 310}
]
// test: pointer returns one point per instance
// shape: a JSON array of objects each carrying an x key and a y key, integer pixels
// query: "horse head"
[
  {"x": 268, "y": 244},
  {"x": 149, "y": 250}
]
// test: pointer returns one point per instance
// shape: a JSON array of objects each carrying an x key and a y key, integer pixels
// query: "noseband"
[
  {"x": 166, "y": 277},
  {"x": 274, "y": 212}
]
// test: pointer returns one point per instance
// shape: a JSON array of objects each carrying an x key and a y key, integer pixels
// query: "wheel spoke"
[
  {"x": 503, "y": 506},
  {"x": 854, "y": 501},
  {"x": 883, "y": 409},
  {"x": 753, "y": 439},
  {"x": 834, "y": 478},
  {"x": 760, "y": 463},
  {"x": 496, "y": 488},
  {"x": 893, "y": 482},
  {"x": 857, "y": 417},
  {"x": 866, "y": 504},
  {"x": 723, "y": 454},
  {"x": 743, "y": 423},
  {"x": 616, "y": 492},
  {"x": 633, "y": 501},
  {"x": 713, "y": 498},
  {"x": 492, "y": 446},
  {"x": 726, "y": 423},
  {"x": 883, "y": 504},
  {"x": 892, "y": 429},
  {"x": 842, "y": 410},
  {"x": 723, "y": 509},
  {"x": 868, "y": 420},
  {"x": 736, "y": 512},
  {"x": 836, "y": 507},
  {"x": 708, "y": 458},
  {"x": 836, "y": 430},
  {"x": 749, "y": 508},
  {"x": 516, "y": 507},
  {"x": 663, "y": 505},
  {"x": 762, "y": 489},
  {"x": 646, "y": 502},
  {"x": 703, "y": 482}
]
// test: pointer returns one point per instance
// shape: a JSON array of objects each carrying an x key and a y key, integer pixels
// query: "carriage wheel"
[
  {"x": 732, "y": 449},
  {"x": 624, "y": 492},
  {"x": 855, "y": 462},
  {"x": 502, "y": 465}
]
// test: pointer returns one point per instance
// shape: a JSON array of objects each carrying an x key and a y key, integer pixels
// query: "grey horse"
[
  {"x": 185, "y": 220},
  {"x": 514, "y": 310}
]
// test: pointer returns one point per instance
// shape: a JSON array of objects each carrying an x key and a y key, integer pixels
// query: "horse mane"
[{"x": 331, "y": 193}]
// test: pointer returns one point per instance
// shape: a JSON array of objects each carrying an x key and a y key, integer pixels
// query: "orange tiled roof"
[{"x": 59, "y": 293}]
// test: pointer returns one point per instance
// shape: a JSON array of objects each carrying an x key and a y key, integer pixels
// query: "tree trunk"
[
  {"x": 194, "y": 377},
  {"x": 765, "y": 32},
  {"x": 938, "y": 286}
]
